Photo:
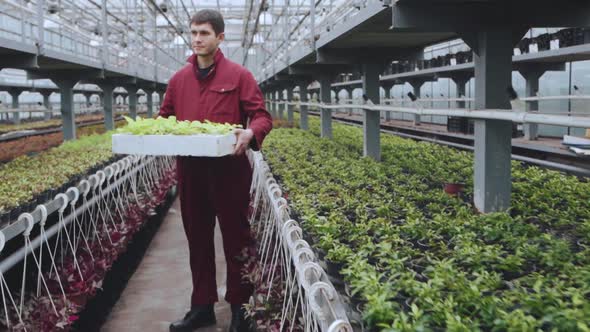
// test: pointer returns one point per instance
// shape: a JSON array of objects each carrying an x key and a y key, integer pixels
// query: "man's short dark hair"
[{"x": 210, "y": 16}]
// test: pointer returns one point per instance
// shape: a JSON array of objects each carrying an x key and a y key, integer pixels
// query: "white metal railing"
[
  {"x": 285, "y": 256},
  {"x": 516, "y": 116}
]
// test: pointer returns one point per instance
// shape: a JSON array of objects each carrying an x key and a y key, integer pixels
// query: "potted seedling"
[{"x": 454, "y": 187}]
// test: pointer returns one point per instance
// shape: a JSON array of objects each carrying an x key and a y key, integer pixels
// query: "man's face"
[{"x": 203, "y": 39}]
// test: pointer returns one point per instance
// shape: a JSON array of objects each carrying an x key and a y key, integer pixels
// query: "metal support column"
[
  {"x": 150, "y": 103},
  {"x": 461, "y": 83},
  {"x": 266, "y": 104},
  {"x": 303, "y": 111},
  {"x": 15, "y": 115},
  {"x": 349, "y": 101},
  {"x": 387, "y": 88},
  {"x": 160, "y": 98},
  {"x": 417, "y": 86},
  {"x": 290, "y": 106},
  {"x": 47, "y": 105},
  {"x": 108, "y": 101},
  {"x": 132, "y": 95},
  {"x": 66, "y": 89},
  {"x": 273, "y": 105},
  {"x": 493, "y": 74},
  {"x": 280, "y": 106},
  {"x": 532, "y": 76},
  {"x": 371, "y": 119},
  {"x": 325, "y": 114},
  {"x": 15, "y": 105},
  {"x": 87, "y": 96},
  {"x": 269, "y": 102}
]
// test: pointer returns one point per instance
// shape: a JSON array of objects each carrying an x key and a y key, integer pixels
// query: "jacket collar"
[{"x": 217, "y": 58}]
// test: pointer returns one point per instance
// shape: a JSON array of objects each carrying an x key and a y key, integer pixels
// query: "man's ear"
[{"x": 221, "y": 36}]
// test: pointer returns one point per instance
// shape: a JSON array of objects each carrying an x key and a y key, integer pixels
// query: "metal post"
[
  {"x": 461, "y": 83},
  {"x": 349, "y": 92},
  {"x": 88, "y": 95},
  {"x": 107, "y": 101},
  {"x": 417, "y": 86},
  {"x": 266, "y": 104},
  {"x": 532, "y": 76},
  {"x": 493, "y": 74},
  {"x": 371, "y": 119},
  {"x": 15, "y": 115},
  {"x": 271, "y": 102},
  {"x": 280, "y": 107},
  {"x": 132, "y": 95},
  {"x": 290, "y": 107},
  {"x": 325, "y": 98},
  {"x": 387, "y": 88},
  {"x": 161, "y": 98},
  {"x": 66, "y": 88},
  {"x": 150, "y": 103},
  {"x": 47, "y": 105},
  {"x": 271, "y": 98},
  {"x": 303, "y": 111}
]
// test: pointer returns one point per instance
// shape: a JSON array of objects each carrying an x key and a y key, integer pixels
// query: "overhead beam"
[
  {"x": 19, "y": 61},
  {"x": 451, "y": 17},
  {"x": 314, "y": 69},
  {"x": 65, "y": 74},
  {"x": 351, "y": 56}
]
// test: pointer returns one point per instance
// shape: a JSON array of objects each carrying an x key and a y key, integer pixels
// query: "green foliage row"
[
  {"x": 416, "y": 259},
  {"x": 24, "y": 177}
]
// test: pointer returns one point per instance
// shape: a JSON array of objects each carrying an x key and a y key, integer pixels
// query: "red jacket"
[{"x": 229, "y": 93}]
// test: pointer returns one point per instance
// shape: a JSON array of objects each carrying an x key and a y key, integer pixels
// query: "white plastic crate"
[{"x": 175, "y": 145}]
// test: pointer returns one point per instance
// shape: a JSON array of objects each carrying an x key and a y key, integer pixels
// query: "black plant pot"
[
  {"x": 14, "y": 213},
  {"x": 29, "y": 206},
  {"x": 334, "y": 268},
  {"x": 4, "y": 218},
  {"x": 51, "y": 193},
  {"x": 43, "y": 197}
]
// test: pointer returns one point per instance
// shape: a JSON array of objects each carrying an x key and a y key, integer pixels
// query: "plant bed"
[
  {"x": 26, "y": 177},
  {"x": 81, "y": 276},
  {"x": 396, "y": 232},
  {"x": 33, "y": 145}
]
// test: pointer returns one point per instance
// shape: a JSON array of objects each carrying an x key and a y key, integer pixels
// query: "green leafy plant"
[
  {"x": 414, "y": 258},
  {"x": 163, "y": 126}
]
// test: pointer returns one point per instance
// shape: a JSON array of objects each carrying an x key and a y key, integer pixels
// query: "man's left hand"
[{"x": 244, "y": 136}]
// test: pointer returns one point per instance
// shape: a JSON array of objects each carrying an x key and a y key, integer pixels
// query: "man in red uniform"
[{"x": 211, "y": 87}]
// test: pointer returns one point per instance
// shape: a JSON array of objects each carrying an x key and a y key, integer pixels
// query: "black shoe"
[
  {"x": 199, "y": 316},
  {"x": 239, "y": 321}
]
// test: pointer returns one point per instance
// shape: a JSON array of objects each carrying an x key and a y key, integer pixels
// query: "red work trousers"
[{"x": 209, "y": 188}]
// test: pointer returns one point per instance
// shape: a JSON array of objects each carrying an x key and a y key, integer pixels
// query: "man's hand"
[{"x": 244, "y": 136}]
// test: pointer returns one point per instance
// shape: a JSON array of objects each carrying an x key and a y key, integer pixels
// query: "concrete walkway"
[{"x": 159, "y": 291}]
